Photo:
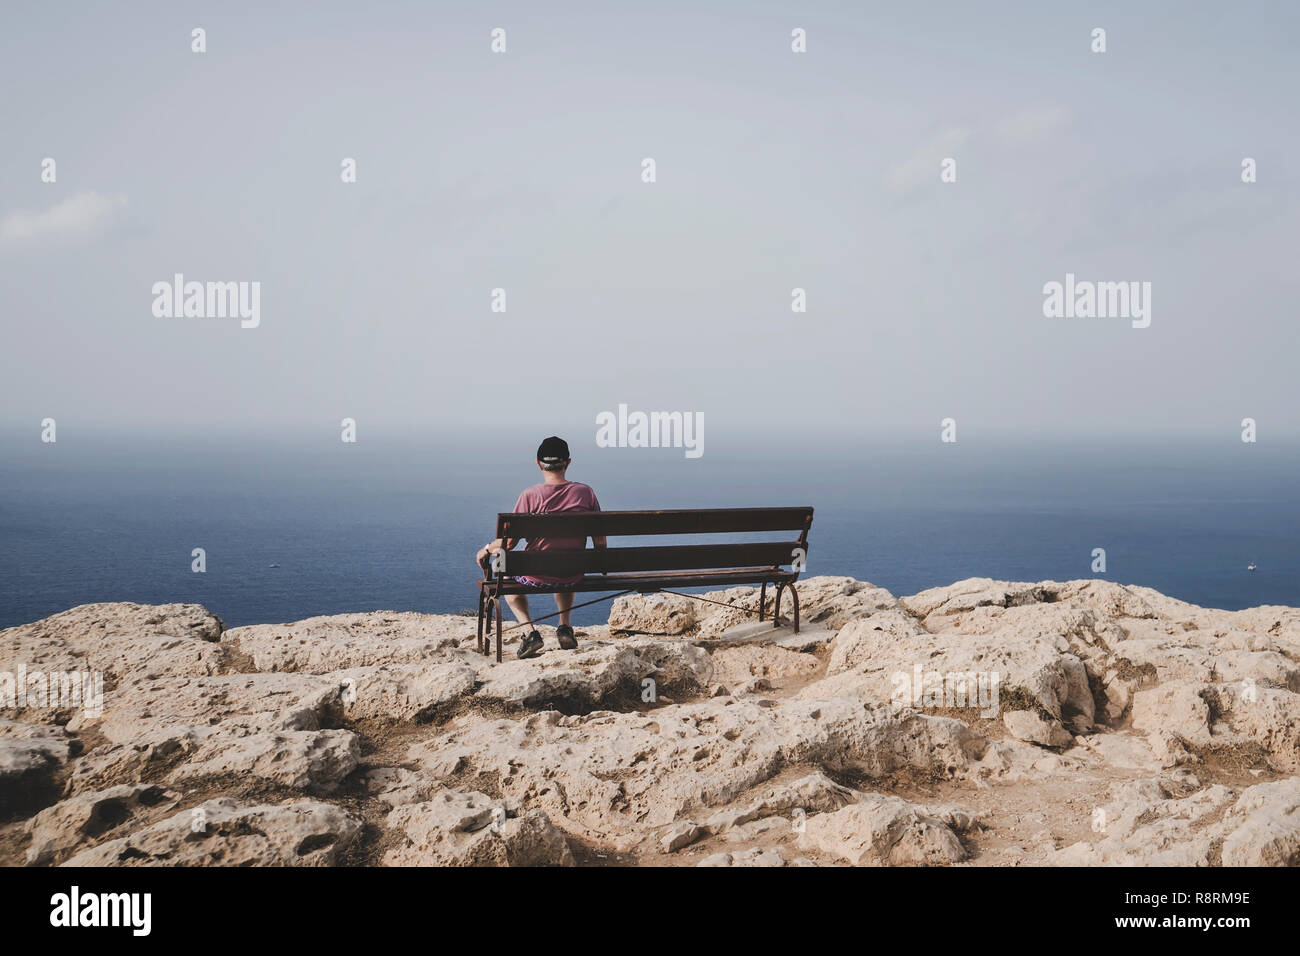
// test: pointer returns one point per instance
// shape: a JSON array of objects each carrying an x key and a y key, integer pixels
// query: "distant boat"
[{"x": 1251, "y": 566}]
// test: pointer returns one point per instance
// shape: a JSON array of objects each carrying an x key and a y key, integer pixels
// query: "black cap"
[{"x": 553, "y": 451}]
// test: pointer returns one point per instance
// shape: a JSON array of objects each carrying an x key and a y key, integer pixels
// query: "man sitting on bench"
[{"x": 555, "y": 493}]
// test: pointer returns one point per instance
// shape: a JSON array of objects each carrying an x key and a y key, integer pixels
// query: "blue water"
[{"x": 393, "y": 524}]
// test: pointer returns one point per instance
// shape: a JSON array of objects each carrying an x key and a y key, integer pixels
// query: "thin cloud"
[
  {"x": 1029, "y": 126},
  {"x": 79, "y": 215},
  {"x": 923, "y": 165}
]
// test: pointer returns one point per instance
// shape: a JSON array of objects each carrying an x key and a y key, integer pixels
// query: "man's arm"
[
  {"x": 521, "y": 507},
  {"x": 496, "y": 545}
]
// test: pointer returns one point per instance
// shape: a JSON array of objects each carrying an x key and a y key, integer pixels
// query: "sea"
[{"x": 295, "y": 524}]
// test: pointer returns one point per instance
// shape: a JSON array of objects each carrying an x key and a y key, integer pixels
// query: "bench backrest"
[{"x": 682, "y": 557}]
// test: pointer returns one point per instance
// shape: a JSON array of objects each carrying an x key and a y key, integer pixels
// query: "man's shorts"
[{"x": 542, "y": 585}]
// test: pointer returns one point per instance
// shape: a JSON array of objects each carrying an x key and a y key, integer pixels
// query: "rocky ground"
[{"x": 1128, "y": 728}]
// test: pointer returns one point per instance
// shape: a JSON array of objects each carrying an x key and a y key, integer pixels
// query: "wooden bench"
[{"x": 645, "y": 570}]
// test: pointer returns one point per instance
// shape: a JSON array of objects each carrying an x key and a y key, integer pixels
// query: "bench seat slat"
[
  {"x": 581, "y": 524},
  {"x": 683, "y": 557},
  {"x": 655, "y": 581}
]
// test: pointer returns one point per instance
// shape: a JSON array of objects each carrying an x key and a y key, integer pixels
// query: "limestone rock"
[
  {"x": 1152, "y": 823},
  {"x": 596, "y": 674},
  {"x": 680, "y": 667},
  {"x": 88, "y": 625},
  {"x": 148, "y": 757},
  {"x": 397, "y": 786},
  {"x": 646, "y": 744},
  {"x": 251, "y": 702},
  {"x": 1108, "y": 598},
  {"x": 1029, "y": 725},
  {"x": 882, "y": 830},
  {"x": 1011, "y": 761},
  {"x": 755, "y": 829},
  {"x": 824, "y": 601},
  {"x": 735, "y": 666},
  {"x": 1264, "y": 826},
  {"x": 319, "y": 645},
  {"x": 107, "y": 643},
  {"x": 756, "y": 856},
  {"x": 315, "y": 761},
  {"x": 1267, "y": 717},
  {"x": 402, "y": 692},
  {"x": 680, "y": 835},
  {"x": 1120, "y": 751},
  {"x": 31, "y": 760},
  {"x": 664, "y": 614},
  {"x": 608, "y": 775},
  {"x": 863, "y": 639},
  {"x": 1177, "y": 707},
  {"x": 468, "y": 829},
  {"x": 815, "y": 793},
  {"x": 886, "y": 657},
  {"x": 89, "y": 817},
  {"x": 1171, "y": 652},
  {"x": 222, "y": 833}
]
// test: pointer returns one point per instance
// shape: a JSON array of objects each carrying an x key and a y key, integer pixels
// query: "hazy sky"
[{"x": 775, "y": 170}]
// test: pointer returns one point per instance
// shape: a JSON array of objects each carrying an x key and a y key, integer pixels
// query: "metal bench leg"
[
  {"x": 478, "y": 643},
  {"x": 498, "y": 630},
  {"x": 762, "y": 599},
  {"x": 776, "y": 608},
  {"x": 794, "y": 596}
]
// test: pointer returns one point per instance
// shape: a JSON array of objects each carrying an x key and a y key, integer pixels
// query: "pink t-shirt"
[{"x": 544, "y": 499}]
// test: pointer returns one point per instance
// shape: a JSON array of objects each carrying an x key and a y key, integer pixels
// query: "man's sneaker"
[
  {"x": 530, "y": 646},
  {"x": 564, "y": 634}
]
